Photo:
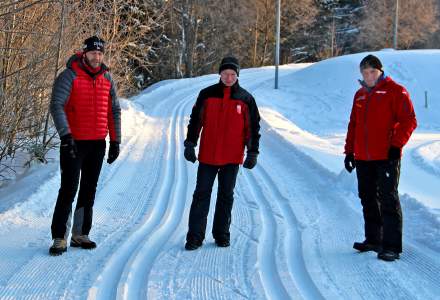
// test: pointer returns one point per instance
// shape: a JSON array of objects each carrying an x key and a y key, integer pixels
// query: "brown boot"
[
  {"x": 59, "y": 247},
  {"x": 82, "y": 241}
]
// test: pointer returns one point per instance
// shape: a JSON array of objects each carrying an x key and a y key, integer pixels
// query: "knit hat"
[
  {"x": 231, "y": 63},
  {"x": 371, "y": 61},
  {"x": 93, "y": 43}
]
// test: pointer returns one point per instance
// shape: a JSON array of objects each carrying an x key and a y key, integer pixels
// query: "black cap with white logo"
[{"x": 93, "y": 43}]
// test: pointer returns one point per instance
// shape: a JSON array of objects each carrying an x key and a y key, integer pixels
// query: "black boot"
[
  {"x": 388, "y": 255},
  {"x": 192, "y": 245},
  {"x": 222, "y": 243},
  {"x": 367, "y": 246}
]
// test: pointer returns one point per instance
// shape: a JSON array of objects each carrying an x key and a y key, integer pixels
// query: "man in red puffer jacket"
[
  {"x": 85, "y": 108},
  {"x": 228, "y": 119},
  {"x": 381, "y": 122}
]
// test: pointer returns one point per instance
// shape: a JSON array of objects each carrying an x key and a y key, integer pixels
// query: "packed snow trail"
[{"x": 293, "y": 224}]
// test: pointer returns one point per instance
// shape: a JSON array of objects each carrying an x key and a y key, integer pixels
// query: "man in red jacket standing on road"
[
  {"x": 228, "y": 119},
  {"x": 85, "y": 108},
  {"x": 381, "y": 122}
]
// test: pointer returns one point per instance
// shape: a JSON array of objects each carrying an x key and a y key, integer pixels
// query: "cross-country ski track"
[{"x": 293, "y": 224}]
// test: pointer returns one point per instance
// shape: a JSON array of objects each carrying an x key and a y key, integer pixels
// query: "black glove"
[
  {"x": 251, "y": 160},
  {"x": 113, "y": 152},
  {"x": 190, "y": 152},
  {"x": 349, "y": 162},
  {"x": 68, "y": 145},
  {"x": 394, "y": 153}
]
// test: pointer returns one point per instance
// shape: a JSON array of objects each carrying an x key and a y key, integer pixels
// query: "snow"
[
  {"x": 317, "y": 100},
  {"x": 295, "y": 215},
  {"x": 428, "y": 155}
]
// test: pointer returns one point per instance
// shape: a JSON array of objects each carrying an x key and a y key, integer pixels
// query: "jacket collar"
[
  {"x": 234, "y": 88},
  {"x": 380, "y": 82},
  {"x": 77, "y": 59}
]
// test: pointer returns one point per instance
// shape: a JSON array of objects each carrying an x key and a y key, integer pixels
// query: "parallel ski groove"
[
  {"x": 131, "y": 283},
  {"x": 267, "y": 263},
  {"x": 293, "y": 240}
]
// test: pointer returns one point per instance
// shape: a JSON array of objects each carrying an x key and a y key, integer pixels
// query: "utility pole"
[
  {"x": 396, "y": 24},
  {"x": 333, "y": 36},
  {"x": 277, "y": 47}
]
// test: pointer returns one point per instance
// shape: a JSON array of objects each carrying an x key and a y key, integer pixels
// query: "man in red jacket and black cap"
[
  {"x": 381, "y": 122},
  {"x": 85, "y": 108},
  {"x": 228, "y": 119}
]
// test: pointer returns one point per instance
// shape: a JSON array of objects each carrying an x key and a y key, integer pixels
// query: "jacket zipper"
[
  {"x": 94, "y": 100},
  {"x": 219, "y": 120},
  {"x": 366, "y": 124}
]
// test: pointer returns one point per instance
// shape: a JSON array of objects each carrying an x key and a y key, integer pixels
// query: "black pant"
[
  {"x": 88, "y": 163},
  {"x": 198, "y": 215},
  {"x": 377, "y": 183}
]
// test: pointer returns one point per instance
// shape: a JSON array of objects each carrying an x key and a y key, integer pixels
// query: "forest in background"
[{"x": 153, "y": 40}]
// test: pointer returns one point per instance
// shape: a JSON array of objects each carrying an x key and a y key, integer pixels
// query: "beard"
[{"x": 94, "y": 63}]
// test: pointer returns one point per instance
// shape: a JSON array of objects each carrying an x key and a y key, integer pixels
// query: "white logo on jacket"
[{"x": 239, "y": 109}]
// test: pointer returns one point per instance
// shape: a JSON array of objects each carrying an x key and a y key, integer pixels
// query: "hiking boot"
[
  {"x": 366, "y": 246},
  {"x": 388, "y": 255},
  {"x": 222, "y": 243},
  {"x": 59, "y": 246},
  {"x": 82, "y": 241},
  {"x": 192, "y": 246}
]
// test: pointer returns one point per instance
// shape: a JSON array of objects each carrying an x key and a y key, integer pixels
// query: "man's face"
[
  {"x": 370, "y": 76},
  {"x": 95, "y": 58},
  {"x": 228, "y": 77}
]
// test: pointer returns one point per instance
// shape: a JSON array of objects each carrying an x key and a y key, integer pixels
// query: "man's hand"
[
  {"x": 251, "y": 160},
  {"x": 394, "y": 153},
  {"x": 349, "y": 162},
  {"x": 68, "y": 145},
  {"x": 113, "y": 152},
  {"x": 190, "y": 152}
]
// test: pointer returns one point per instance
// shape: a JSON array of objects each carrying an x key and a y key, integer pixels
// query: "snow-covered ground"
[
  {"x": 429, "y": 156},
  {"x": 295, "y": 215}
]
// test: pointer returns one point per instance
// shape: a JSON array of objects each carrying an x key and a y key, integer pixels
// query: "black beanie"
[
  {"x": 93, "y": 43},
  {"x": 229, "y": 62},
  {"x": 371, "y": 61}
]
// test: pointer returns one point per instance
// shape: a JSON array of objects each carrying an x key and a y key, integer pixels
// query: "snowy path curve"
[{"x": 292, "y": 229}]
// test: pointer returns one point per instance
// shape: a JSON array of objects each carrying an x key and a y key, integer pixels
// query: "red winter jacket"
[
  {"x": 228, "y": 119},
  {"x": 85, "y": 103},
  {"x": 380, "y": 118}
]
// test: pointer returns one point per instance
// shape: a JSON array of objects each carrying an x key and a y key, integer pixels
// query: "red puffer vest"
[{"x": 89, "y": 104}]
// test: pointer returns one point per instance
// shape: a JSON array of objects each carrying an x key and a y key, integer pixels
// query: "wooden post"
[
  {"x": 277, "y": 43},
  {"x": 426, "y": 99}
]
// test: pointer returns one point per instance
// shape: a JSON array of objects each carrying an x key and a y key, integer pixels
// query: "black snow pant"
[
  {"x": 377, "y": 184},
  {"x": 198, "y": 215},
  {"x": 88, "y": 163}
]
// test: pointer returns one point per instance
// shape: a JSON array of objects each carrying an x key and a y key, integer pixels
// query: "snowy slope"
[
  {"x": 317, "y": 101},
  {"x": 318, "y": 97},
  {"x": 295, "y": 216},
  {"x": 428, "y": 155}
]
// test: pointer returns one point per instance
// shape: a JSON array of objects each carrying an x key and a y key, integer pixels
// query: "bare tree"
[
  {"x": 417, "y": 21},
  {"x": 26, "y": 47},
  {"x": 152, "y": 40},
  {"x": 37, "y": 37}
]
